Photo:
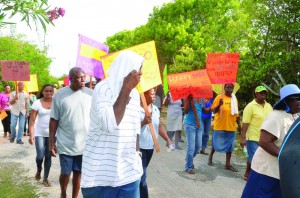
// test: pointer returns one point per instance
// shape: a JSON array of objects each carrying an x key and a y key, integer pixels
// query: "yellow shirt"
[
  {"x": 254, "y": 115},
  {"x": 223, "y": 119}
]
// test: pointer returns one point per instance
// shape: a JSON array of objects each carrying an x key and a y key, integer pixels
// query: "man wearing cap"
[
  {"x": 254, "y": 114},
  {"x": 263, "y": 180}
]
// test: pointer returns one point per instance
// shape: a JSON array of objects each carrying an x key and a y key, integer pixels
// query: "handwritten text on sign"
[
  {"x": 151, "y": 74},
  {"x": 196, "y": 83},
  {"x": 15, "y": 70},
  {"x": 222, "y": 67}
]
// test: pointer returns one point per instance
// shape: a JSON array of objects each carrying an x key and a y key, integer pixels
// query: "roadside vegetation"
[{"x": 15, "y": 184}]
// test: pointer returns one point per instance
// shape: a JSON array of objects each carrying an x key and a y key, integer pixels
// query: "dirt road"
[{"x": 166, "y": 176}]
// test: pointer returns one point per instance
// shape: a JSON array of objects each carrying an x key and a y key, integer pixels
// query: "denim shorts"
[
  {"x": 70, "y": 163},
  {"x": 251, "y": 148}
]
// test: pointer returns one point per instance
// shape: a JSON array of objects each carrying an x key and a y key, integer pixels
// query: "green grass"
[{"x": 15, "y": 184}]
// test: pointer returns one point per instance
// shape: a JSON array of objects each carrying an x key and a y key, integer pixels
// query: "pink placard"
[{"x": 15, "y": 70}]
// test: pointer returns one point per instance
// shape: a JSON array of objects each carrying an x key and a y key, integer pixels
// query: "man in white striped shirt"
[{"x": 111, "y": 166}]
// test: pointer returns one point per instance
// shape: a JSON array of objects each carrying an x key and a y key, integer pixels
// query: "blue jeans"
[
  {"x": 206, "y": 130},
  {"x": 13, "y": 123},
  {"x": 42, "y": 151},
  {"x": 194, "y": 140},
  {"x": 130, "y": 190},
  {"x": 146, "y": 157}
]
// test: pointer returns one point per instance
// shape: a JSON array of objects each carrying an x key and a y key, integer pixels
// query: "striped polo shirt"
[{"x": 110, "y": 157}]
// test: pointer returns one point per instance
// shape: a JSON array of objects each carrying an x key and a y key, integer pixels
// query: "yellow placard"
[
  {"x": 60, "y": 82},
  {"x": 32, "y": 85},
  {"x": 151, "y": 74},
  {"x": 91, "y": 52}
]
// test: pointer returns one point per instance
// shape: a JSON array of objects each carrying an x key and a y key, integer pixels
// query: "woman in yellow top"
[
  {"x": 254, "y": 115},
  {"x": 226, "y": 116}
]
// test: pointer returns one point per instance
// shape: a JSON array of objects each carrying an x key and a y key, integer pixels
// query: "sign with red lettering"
[
  {"x": 196, "y": 83},
  {"x": 67, "y": 81},
  {"x": 222, "y": 67},
  {"x": 15, "y": 70}
]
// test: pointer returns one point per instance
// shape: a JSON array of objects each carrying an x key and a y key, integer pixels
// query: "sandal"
[
  {"x": 47, "y": 183},
  {"x": 231, "y": 168}
]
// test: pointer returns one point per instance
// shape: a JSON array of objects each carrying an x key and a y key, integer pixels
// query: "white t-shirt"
[
  {"x": 277, "y": 123},
  {"x": 42, "y": 120},
  {"x": 72, "y": 110},
  {"x": 110, "y": 157}
]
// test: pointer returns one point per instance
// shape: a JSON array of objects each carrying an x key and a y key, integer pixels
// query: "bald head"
[
  {"x": 20, "y": 86},
  {"x": 75, "y": 70}
]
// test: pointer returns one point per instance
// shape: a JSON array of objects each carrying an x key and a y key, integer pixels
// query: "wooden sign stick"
[
  {"x": 144, "y": 103},
  {"x": 195, "y": 113}
]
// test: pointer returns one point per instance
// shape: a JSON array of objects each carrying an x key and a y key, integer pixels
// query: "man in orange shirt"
[{"x": 226, "y": 116}]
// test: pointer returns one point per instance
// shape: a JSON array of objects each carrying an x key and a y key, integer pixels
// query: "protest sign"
[
  {"x": 150, "y": 70},
  {"x": 66, "y": 81},
  {"x": 88, "y": 56},
  {"x": 15, "y": 70},
  {"x": 60, "y": 82},
  {"x": 196, "y": 83},
  {"x": 222, "y": 67},
  {"x": 32, "y": 85}
]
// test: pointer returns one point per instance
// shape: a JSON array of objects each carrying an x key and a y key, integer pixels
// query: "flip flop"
[
  {"x": 47, "y": 183},
  {"x": 231, "y": 168}
]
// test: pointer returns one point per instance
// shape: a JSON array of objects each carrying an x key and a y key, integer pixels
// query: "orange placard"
[
  {"x": 15, "y": 70},
  {"x": 196, "y": 83},
  {"x": 222, "y": 67}
]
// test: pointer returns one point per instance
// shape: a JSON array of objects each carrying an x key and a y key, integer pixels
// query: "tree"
[
  {"x": 30, "y": 10},
  {"x": 17, "y": 49}
]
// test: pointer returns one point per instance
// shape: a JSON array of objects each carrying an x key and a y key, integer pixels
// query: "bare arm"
[
  {"x": 186, "y": 104},
  {"x": 244, "y": 131},
  {"x": 266, "y": 142},
  {"x": 167, "y": 100},
  {"x": 217, "y": 108},
  {"x": 129, "y": 83},
  {"x": 14, "y": 99},
  {"x": 53, "y": 125},
  {"x": 31, "y": 126},
  {"x": 163, "y": 134},
  {"x": 239, "y": 124}
]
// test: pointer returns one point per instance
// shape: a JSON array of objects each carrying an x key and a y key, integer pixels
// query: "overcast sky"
[{"x": 96, "y": 19}]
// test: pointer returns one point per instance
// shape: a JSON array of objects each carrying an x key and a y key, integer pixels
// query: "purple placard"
[{"x": 90, "y": 65}]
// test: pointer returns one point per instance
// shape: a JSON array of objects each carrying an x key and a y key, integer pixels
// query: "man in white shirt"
[
  {"x": 69, "y": 121},
  {"x": 19, "y": 111},
  {"x": 111, "y": 167}
]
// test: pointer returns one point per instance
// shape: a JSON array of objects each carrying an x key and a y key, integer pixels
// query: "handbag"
[{"x": 3, "y": 114}]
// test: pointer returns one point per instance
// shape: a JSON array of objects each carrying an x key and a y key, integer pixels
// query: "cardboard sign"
[
  {"x": 15, "y": 70},
  {"x": 88, "y": 56},
  {"x": 60, "y": 82},
  {"x": 222, "y": 67},
  {"x": 151, "y": 74},
  {"x": 66, "y": 81},
  {"x": 32, "y": 85},
  {"x": 196, "y": 83}
]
